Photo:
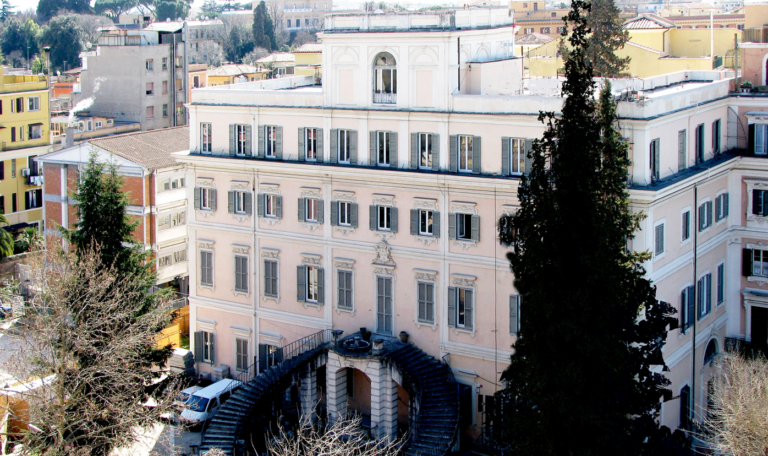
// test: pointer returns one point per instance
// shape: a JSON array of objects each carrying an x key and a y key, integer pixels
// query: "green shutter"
[
  {"x": 321, "y": 286},
  {"x": 436, "y": 224},
  {"x": 334, "y": 156},
  {"x": 454, "y": 157},
  {"x": 372, "y": 146},
  {"x": 435, "y": 152},
  {"x": 248, "y": 203},
  {"x": 513, "y": 322},
  {"x": 505, "y": 158},
  {"x": 320, "y": 211},
  {"x": 476, "y": 155},
  {"x": 198, "y": 336},
  {"x": 260, "y": 138},
  {"x": 682, "y": 162},
  {"x": 279, "y": 143},
  {"x": 452, "y": 226},
  {"x": 212, "y": 349},
  {"x": 373, "y": 217},
  {"x": 260, "y": 204},
  {"x": 528, "y": 161},
  {"x": 302, "y": 152},
  {"x": 301, "y": 285},
  {"x": 751, "y": 139},
  {"x": 302, "y": 208},
  {"x": 319, "y": 145},
  {"x": 334, "y": 213},
  {"x": 231, "y": 202},
  {"x": 232, "y": 139},
  {"x": 196, "y": 193},
  {"x": 353, "y": 215},
  {"x": 414, "y": 151},
  {"x": 248, "y": 140},
  {"x": 475, "y": 228},
  {"x": 279, "y": 207},
  {"x": 452, "y": 307},
  {"x": 393, "y": 155},
  {"x": 746, "y": 262},
  {"x": 393, "y": 219},
  {"x": 213, "y": 199},
  {"x": 469, "y": 302},
  {"x": 352, "y": 147},
  {"x": 414, "y": 222}
]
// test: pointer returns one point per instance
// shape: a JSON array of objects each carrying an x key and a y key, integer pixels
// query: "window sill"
[
  {"x": 419, "y": 324},
  {"x": 205, "y": 213},
  {"x": 760, "y": 280},
  {"x": 205, "y": 287},
  {"x": 465, "y": 243},
  {"x": 660, "y": 256},
  {"x": 426, "y": 239},
  {"x": 275, "y": 299},
  {"x": 316, "y": 305},
  {"x": 351, "y": 311},
  {"x": 345, "y": 230},
  {"x": 457, "y": 331},
  {"x": 245, "y": 293},
  {"x": 312, "y": 226}
]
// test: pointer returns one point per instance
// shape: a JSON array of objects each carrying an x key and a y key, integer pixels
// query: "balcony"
[{"x": 385, "y": 98}]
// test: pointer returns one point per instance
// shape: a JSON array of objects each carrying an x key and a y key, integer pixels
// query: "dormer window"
[{"x": 385, "y": 79}]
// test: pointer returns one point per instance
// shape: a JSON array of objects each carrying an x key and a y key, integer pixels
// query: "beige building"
[{"x": 295, "y": 15}]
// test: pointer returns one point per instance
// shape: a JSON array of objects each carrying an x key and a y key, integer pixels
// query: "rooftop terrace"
[{"x": 442, "y": 20}]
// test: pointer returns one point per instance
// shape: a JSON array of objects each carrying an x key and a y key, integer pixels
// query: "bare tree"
[
  {"x": 276, "y": 14},
  {"x": 737, "y": 419},
  {"x": 251, "y": 57},
  {"x": 83, "y": 344},
  {"x": 303, "y": 37},
  {"x": 90, "y": 24}
]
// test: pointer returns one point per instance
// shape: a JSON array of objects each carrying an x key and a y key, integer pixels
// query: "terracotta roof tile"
[{"x": 151, "y": 149}]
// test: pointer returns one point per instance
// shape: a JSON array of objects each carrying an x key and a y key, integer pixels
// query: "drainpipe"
[
  {"x": 695, "y": 315},
  {"x": 712, "y": 34},
  {"x": 185, "y": 78}
]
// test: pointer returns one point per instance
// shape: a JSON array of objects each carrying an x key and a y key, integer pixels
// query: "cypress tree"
[
  {"x": 608, "y": 35},
  {"x": 262, "y": 27},
  {"x": 580, "y": 379}
]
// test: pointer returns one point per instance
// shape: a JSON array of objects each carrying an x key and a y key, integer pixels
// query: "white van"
[
  {"x": 203, "y": 404},
  {"x": 185, "y": 396}
]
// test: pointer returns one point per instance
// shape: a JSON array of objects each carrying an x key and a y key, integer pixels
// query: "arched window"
[
  {"x": 385, "y": 79},
  {"x": 711, "y": 351}
]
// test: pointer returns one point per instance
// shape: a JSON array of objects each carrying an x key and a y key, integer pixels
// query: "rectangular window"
[
  {"x": 464, "y": 307},
  {"x": 425, "y": 223},
  {"x": 686, "y": 226},
  {"x": 239, "y": 202},
  {"x": 241, "y": 139},
  {"x": 383, "y": 148},
  {"x": 760, "y": 202},
  {"x": 721, "y": 207},
  {"x": 207, "y": 346},
  {"x": 682, "y": 150},
  {"x": 35, "y": 131},
  {"x": 13, "y": 168},
  {"x": 705, "y": 215},
  {"x": 344, "y": 146},
  {"x": 179, "y": 87},
  {"x": 98, "y": 124},
  {"x": 34, "y": 199},
  {"x": 716, "y": 137},
  {"x": 165, "y": 63},
  {"x": 560, "y": 29},
  {"x": 761, "y": 139},
  {"x": 270, "y": 205},
  {"x": 686, "y": 415},
  {"x": 659, "y": 239},
  {"x": 33, "y": 103},
  {"x": 270, "y": 145},
  {"x": 425, "y": 151},
  {"x": 312, "y": 282},
  {"x": 205, "y": 137},
  {"x": 465, "y": 153},
  {"x": 655, "y": 159},
  {"x": 241, "y": 273},
  {"x": 310, "y": 144},
  {"x": 241, "y": 354},
  {"x": 385, "y": 218},
  {"x": 150, "y": 65},
  {"x": 165, "y": 110},
  {"x": 384, "y": 305},
  {"x": 464, "y": 226},
  {"x": 19, "y": 104},
  {"x": 517, "y": 156},
  {"x": 206, "y": 268},
  {"x": 165, "y": 87},
  {"x": 760, "y": 263},
  {"x": 179, "y": 256},
  {"x": 545, "y": 30},
  {"x": 150, "y": 112},
  {"x": 720, "y": 283},
  {"x": 426, "y": 302},
  {"x": 345, "y": 213},
  {"x": 150, "y": 88},
  {"x": 165, "y": 261},
  {"x": 13, "y": 134},
  {"x": 174, "y": 183},
  {"x": 704, "y": 295},
  {"x": 310, "y": 213},
  {"x": 514, "y": 314},
  {"x": 345, "y": 290},
  {"x": 206, "y": 199},
  {"x": 700, "y": 143},
  {"x": 270, "y": 278}
]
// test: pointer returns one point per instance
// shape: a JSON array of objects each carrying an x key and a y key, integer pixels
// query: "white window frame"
[
  {"x": 720, "y": 265},
  {"x": 205, "y": 198},
  {"x": 241, "y": 139},
  {"x": 270, "y": 205},
  {"x": 239, "y": 202},
  {"x": 207, "y": 345},
  {"x": 465, "y": 153},
  {"x": 391, "y": 279},
  {"x": 343, "y": 145},
  {"x": 761, "y": 139},
  {"x": 345, "y": 213},
  {"x": 467, "y": 235},
  {"x": 516, "y": 156},
  {"x": 33, "y": 103},
  {"x": 206, "y": 138},
  {"x": 310, "y": 210},
  {"x": 384, "y": 218},
  {"x": 312, "y": 284},
  {"x": 690, "y": 225},
  {"x": 270, "y": 141},
  {"x": 383, "y": 148},
  {"x": 247, "y": 340},
  {"x": 657, "y": 255},
  {"x": 310, "y": 144},
  {"x": 763, "y": 263},
  {"x": 425, "y": 143},
  {"x": 459, "y": 291},
  {"x": 425, "y": 215}
]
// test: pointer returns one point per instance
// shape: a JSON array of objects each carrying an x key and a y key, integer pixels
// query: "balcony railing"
[{"x": 386, "y": 98}]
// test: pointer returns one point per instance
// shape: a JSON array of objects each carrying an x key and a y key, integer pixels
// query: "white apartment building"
[{"x": 422, "y": 124}]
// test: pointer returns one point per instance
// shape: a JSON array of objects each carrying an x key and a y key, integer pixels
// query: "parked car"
[
  {"x": 203, "y": 404},
  {"x": 185, "y": 396}
]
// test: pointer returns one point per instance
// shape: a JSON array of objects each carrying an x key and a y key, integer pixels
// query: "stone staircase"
[{"x": 436, "y": 426}]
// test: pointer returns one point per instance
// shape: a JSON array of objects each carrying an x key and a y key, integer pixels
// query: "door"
[
  {"x": 384, "y": 305},
  {"x": 759, "y": 326}
]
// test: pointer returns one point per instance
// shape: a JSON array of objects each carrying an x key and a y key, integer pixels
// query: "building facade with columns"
[{"x": 426, "y": 135}]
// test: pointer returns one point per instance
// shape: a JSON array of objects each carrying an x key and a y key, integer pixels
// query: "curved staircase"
[{"x": 436, "y": 425}]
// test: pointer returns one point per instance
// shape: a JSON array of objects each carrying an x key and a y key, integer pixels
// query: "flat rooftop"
[{"x": 422, "y": 21}]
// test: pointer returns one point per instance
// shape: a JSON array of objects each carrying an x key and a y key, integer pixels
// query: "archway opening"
[
  {"x": 359, "y": 395},
  {"x": 384, "y": 78}
]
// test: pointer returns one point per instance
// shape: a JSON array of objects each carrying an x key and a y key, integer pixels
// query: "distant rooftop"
[
  {"x": 235, "y": 70},
  {"x": 151, "y": 149},
  {"x": 533, "y": 38},
  {"x": 278, "y": 57},
  {"x": 309, "y": 48},
  {"x": 647, "y": 22},
  {"x": 421, "y": 21}
]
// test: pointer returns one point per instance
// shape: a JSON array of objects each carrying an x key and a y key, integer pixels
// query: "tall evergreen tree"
[
  {"x": 65, "y": 37},
  {"x": 6, "y": 10},
  {"x": 580, "y": 379},
  {"x": 263, "y": 29},
  {"x": 608, "y": 35}
]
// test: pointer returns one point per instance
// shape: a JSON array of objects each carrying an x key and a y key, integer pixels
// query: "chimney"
[{"x": 69, "y": 139}]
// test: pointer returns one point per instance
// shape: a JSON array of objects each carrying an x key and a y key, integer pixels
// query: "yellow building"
[
  {"x": 24, "y": 134},
  {"x": 308, "y": 60},
  {"x": 231, "y": 74}
]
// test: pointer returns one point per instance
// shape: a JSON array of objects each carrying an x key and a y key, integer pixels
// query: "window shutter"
[
  {"x": 372, "y": 145},
  {"x": 505, "y": 156},
  {"x": 393, "y": 219},
  {"x": 718, "y": 207},
  {"x": 26, "y": 200},
  {"x": 691, "y": 306},
  {"x": 213, "y": 199},
  {"x": 353, "y": 147},
  {"x": 231, "y": 202},
  {"x": 373, "y": 217},
  {"x": 393, "y": 150},
  {"x": 321, "y": 286},
  {"x": 683, "y": 308},
  {"x": 476, "y": 155},
  {"x": 261, "y": 138},
  {"x": 681, "y": 162},
  {"x": 333, "y": 157},
  {"x": 436, "y": 224},
  {"x": 302, "y": 208},
  {"x": 528, "y": 162},
  {"x": 248, "y": 203},
  {"x": 353, "y": 215},
  {"x": 475, "y": 228},
  {"x": 414, "y": 151},
  {"x": 700, "y": 297},
  {"x": 454, "y": 158},
  {"x": 709, "y": 292},
  {"x": 702, "y": 215},
  {"x": 213, "y": 348},
  {"x": 260, "y": 204},
  {"x": 320, "y": 211},
  {"x": 320, "y": 150},
  {"x": 334, "y": 213},
  {"x": 301, "y": 285},
  {"x": 197, "y": 197},
  {"x": 657, "y": 158},
  {"x": 709, "y": 213},
  {"x": 513, "y": 322},
  {"x": 435, "y": 152},
  {"x": 756, "y": 206},
  {"x": 232, "y": 139},
  {"x": 279, "y": 143},
  {"x": 198, "y": 346},
  {"x": 469, "y": 302},
  {"x": 248, "y": 140},
  {"x": 452, "y": 226},
  {"x": 279, "y": 207},
  {"x": 414, "y": 221},
  {"x": 726, "y": 204},
  {"x": 750, "y": 139},
  {"x": 746, "y": 262},
  {"x": 302, "y": 152},
  {"x": 452, "y": 307},
  {"x": 262, "y": 357}
]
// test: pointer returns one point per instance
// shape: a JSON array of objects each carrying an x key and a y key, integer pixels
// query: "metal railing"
[{"x": 381, "y": 97}]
